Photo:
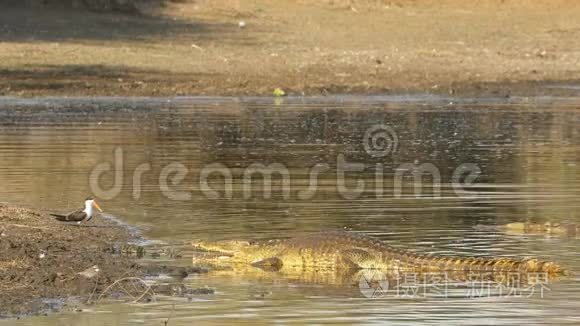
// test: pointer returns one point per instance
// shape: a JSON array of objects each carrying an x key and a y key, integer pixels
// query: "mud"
[{"x": 40, "y": 261}]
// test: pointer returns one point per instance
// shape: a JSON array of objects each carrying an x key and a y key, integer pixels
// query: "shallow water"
[{"x": 526, "y": 150}]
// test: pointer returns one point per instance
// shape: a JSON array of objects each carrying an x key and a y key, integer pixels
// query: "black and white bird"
[{"x": 81, "y": 215}]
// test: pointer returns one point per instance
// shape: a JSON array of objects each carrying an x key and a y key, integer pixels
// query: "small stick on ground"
[
  {"x": 119, "y": 281},
  {"x": 170, "y": 316}
]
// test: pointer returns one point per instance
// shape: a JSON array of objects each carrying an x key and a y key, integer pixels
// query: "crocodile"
[
  {"x": 343, "y": 250},
  {"x": 549, "y": 228}
]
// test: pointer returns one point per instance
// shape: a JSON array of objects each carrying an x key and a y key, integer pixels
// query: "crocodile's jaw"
[
  {"x": 226, "y": 247},
  {"x": 236, "y": 251}
]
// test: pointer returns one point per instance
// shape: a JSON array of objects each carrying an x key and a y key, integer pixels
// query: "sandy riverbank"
[
  {"x": 49, "y": 266},
  {"x": 41, "y": 258},
  {"x": 304, "y": 47}
]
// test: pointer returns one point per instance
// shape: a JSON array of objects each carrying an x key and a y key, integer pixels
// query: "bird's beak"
[{"x": 97, "y": 206}]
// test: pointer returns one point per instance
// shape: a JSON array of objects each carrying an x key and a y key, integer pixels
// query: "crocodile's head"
[
  {"x": 236, "y": 250},
  {"x": 225, "y": 248}
]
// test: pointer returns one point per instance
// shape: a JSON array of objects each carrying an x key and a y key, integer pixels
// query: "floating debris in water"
[{"x": 278, "y": 92}]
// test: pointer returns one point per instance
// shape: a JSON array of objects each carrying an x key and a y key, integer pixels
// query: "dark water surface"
[{"x": 527, "y": 153}]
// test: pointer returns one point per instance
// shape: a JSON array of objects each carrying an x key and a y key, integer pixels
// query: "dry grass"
[{"x": 15, "y": 263}]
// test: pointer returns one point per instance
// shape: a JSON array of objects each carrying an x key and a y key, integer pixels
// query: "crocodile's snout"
[{"x": 227, "y": 247}]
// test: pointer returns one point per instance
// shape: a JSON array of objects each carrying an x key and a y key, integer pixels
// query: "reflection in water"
[{"x": 527, "y": 154}]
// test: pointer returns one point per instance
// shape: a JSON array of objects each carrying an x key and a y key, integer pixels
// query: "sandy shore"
[
  {"x": 41, "y": 258},
  {"x": 49, "y": 266},
  {"x": 228, "y": 47}
]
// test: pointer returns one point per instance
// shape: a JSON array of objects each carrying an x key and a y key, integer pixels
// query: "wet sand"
[{"x": 228, "y": 47}]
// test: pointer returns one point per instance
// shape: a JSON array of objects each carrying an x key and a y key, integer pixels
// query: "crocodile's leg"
[
  {"x": 269, "y": 264},
  {"x": 359, "y": 258}
]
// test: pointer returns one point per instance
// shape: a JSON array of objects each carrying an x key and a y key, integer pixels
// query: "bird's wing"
[
  {"x": 59, "y": 217},
  {"x": 75, "y": 216}
]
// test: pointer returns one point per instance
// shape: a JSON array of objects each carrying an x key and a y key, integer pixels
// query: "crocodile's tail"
[{"x": 500, "y": 265}]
